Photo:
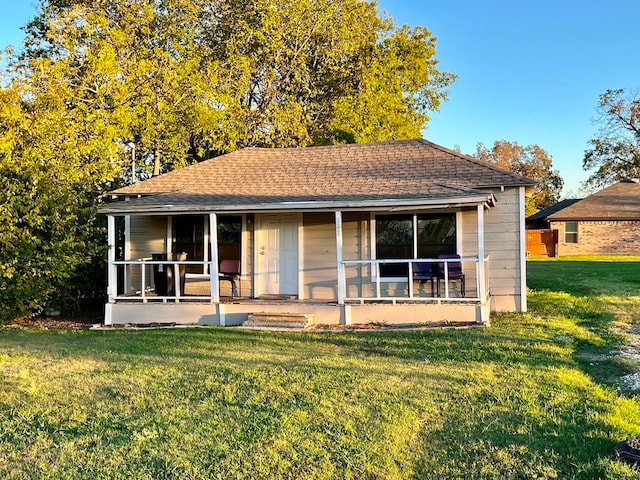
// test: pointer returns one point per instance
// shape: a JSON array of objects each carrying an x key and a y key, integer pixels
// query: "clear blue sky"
[{"x": 529, "y": 71}]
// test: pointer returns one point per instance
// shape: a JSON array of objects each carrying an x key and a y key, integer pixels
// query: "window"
[
  {"x": 435, "y": 234},
  {"x": 394, "y": 239},
  {"x": 571, "y": 232},
  {"x": 230, "y": 237}
]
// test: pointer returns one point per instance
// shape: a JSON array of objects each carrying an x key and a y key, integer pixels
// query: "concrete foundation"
[{"x": 235, "y": 314}]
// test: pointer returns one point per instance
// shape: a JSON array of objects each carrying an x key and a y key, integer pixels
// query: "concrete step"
[{"x": 279, "y": 320}]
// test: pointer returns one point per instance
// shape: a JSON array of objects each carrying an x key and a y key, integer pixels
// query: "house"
[
  {"x": 542, "y": 241},
  {"x": 540, "y": 220},
  {"x": 607, "y": 222},
  {"x": 333, "y": 233}
]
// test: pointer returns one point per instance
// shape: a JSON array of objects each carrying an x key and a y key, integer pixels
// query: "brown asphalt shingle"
[
  {"x": 396, "y": 169},
  {"x": 620, "y": 201}
]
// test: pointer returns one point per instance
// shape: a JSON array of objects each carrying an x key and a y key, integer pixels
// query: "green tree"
[
  {"x": 52, "y": 170},
  {"x": 615, "y": 153},
  {"x": 210, "y": 76},
  {"x": 532, "y": 162},
  {"x": 132, "y": 66}
]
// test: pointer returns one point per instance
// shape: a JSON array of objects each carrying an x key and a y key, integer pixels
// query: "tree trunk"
[{"x": 156, "y": 161}]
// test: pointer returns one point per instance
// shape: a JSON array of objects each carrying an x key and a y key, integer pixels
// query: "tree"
[
  {"x": 132, "y": 63},
  {"x": 615, "y": 152},
  {"x": 52, "y": 170},
  {"x": 532, "y": 162},
  {"x": 210, "y": 76}
]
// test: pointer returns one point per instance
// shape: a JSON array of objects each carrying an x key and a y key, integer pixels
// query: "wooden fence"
[{"x": 542, "y": 243}]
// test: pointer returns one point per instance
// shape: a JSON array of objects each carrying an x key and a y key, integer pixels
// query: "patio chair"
[
  {"x": 423, "y": 271},
  {"x": 454, "y": 271},
  {"x": 230, "y": 271}
]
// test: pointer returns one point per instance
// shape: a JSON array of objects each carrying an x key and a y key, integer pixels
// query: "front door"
[{"x": 277, "y": 249}]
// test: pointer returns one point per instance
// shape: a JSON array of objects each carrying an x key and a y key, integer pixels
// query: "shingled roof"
[
  {"x": 542, "y": 215},
  {"x": 620, "y": 201},
  {"x": 406, "y": 169}
]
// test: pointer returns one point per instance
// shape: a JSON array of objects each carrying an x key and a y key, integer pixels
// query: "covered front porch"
[{"x": 317, "y": 263}]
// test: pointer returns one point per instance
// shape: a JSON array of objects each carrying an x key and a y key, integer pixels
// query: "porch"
[
  {"x": 318, "y": 263},
  {"x": 369, "y": 297}
]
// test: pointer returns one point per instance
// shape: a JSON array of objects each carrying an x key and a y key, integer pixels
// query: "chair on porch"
[
  {"x": 423, "y": 271},
  {"x": 230, "y": 271},
  {"x": 454, "y": 271}
]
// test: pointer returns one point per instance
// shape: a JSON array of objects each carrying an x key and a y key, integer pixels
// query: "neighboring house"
[
  {"x": 332, "y": 232},
  {"x": 607, "y": 222},
  {"x": 540, "y": 220},
  {"x": 542, "y": 241}
]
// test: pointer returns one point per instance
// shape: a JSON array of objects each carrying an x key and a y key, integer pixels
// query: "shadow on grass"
[{"x": 518, "y": 441}]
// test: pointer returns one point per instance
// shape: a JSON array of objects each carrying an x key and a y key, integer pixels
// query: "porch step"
[{"x": 279, "y": 320}]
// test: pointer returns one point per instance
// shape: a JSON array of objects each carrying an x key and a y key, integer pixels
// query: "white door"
[{"x": 277, "y": 249}]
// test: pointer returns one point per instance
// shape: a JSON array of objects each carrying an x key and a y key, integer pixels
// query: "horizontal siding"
[
  {"x": 148, "y": 235},
  {"x": 502, "y": 245},
  {"x": 319, "y": 262},
  {"x": 469, "y": 232}
]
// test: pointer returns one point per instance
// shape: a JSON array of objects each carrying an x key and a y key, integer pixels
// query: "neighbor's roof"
[
  {"x": 376, "y": 172},
  {"x": 620, "y": 201},
  {"x": 545, "y": 212}
]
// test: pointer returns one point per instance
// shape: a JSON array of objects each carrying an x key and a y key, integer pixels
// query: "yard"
[{"x": 534, "y": 396}]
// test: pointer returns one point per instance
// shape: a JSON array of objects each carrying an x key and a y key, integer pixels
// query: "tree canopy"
[
  {"x": 532, "y": 162},
  {"x": 183, "y": 80},
  {"x": 614, "y": 154},
  {"x": 212, "y": 76}
]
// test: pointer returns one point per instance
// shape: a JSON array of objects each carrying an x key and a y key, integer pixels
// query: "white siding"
[
  {"x": 502, "y": 245},
  {"x": 319, "y": 263},
  {"x": 148, "y": 235}
]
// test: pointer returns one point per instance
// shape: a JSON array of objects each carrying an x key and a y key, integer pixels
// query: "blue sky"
[{"x": 529, "y": 71}]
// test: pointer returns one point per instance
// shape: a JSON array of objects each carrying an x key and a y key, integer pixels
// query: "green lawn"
[{"x": 517, "y": 400}]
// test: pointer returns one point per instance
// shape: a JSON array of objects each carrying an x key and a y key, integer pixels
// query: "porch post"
[
  {"x": 482, "y": 286},
  {"x": 341, "y": 278},
  {"x": 128, "y": 286},
  {"x": 213, "y": 268},
  {"x": 112, "y": 278}
]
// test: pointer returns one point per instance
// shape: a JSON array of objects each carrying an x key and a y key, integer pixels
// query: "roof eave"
[
  {"x": 124, "y": 208},
  {"x": 593, "y": 219}
]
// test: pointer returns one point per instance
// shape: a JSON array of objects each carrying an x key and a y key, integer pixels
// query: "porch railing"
[
  {"x": 371, "y": 283},
  {"x": 134, "y": 279},
  {"x": 360, "y": 276}
]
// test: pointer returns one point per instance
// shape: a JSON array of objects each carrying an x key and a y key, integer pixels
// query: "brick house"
[{"x": 607, "y": 222}]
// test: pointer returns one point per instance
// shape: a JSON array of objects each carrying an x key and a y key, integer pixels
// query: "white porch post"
[
  {"x": 213, "y": 266},
  {"x": 127, "y": 254},
  {"x": 341, "y": 273},
  {"x": 482, "y": 284},
  {"x": 112, "y": 278}
]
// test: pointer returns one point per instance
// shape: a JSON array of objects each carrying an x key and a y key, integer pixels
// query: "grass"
[{"x": 516, "y": 400}]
